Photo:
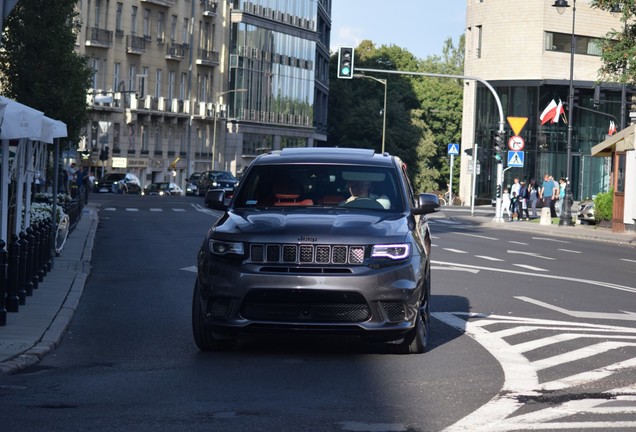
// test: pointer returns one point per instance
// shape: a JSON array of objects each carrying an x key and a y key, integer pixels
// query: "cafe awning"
[{"x": 622, "y": 141}]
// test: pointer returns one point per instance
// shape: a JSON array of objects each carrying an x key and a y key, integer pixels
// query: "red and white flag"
[
  {"x": 549, "y": 112},
  {"x": 559, "y": 111},
  {"x": 612, "y": 128}
]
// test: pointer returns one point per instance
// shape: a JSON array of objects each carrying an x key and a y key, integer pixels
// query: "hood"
[{"x": 312, "y": 226}]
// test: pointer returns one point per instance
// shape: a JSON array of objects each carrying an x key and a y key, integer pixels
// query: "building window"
[
  {"x": 158, "y": 82},
  {"x": 131, "y": 77},
  {"x": 160, "y": 18},
  {"x": 171, "y": 78},
  {"x": 478, "y": 36},
  {"x": 147, "y": 23},
  {"x": 182, "y": 86},
  {"x": 184, "y": 36},
  {"x": 133, "y": 21},
  {"x": 116, "y": 73},
  {"x": 116, "y": 133},
  {"x": 95, "y": 67},
  {"x": 562, "y": 42},
  {"x": 118, "y": 28},
  {"x": 173, "y": 29}
]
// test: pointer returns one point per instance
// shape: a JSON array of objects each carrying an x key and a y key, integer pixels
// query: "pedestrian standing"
[
  {"x": 523, "y": 201},
  {"x": 533, "y": 193},
  {"x": 562, "y": 183},
  {"x": 549, "y": 194},
  {"x": 505, "y": 204},
  {"x": 515, "y": 190}
]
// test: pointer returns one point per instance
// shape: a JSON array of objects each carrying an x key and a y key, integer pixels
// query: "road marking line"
[
  {"x": 478, "y": 236},
  {"x": 549, "y": 276},
  {"x": 524, "y": 347},
  {"x": 455, "y": 250},
  {"x": 532, "y": 254},
  {"x": 579, "y": 354},
  {"x": 178, "y": 210},
  {"x": 589, "y": 376},
  {"x": 110, "y": 209},
  {"x": 444, "y": 221},
  {"x": 529, "y": 267},
  {"x": 489, "y": 258},
  {"x": 628, "y": 260},
  {"x": 132, "y": 209},
  {"x": 518, "y": 242},
  {"x": 550, "y": 239},
  {"x": 623, "y": 315},
  {"x": 156, "y": 210},
  {"x": 570, "y": 251}
]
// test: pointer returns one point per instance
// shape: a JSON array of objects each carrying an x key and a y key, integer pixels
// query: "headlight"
[
  {"x": 223, "y": 248},
  {"x": 391, "y": 251},
  {"x": 215, "y": 184}
]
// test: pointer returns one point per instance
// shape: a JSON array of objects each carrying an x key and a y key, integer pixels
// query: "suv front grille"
[
  {"x": 306, "y": 254},
  {"x": 311, "y": 306}
]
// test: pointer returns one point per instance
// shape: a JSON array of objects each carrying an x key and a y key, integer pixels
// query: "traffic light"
[
  {"x": 498, "y": 145},
  {"x": 469, "y": 152},
  {"x": 498, "y": 191},
  {"x": 345, "y": 62},
  {"x": 103, "y": 156}
]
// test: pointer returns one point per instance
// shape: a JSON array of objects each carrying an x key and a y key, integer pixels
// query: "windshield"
[
  {"x": 313, "y": 185},
  {"x": 222, "y": 175}
]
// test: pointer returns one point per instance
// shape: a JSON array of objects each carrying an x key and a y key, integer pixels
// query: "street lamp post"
[
  {"x": 381, "y": 81},
  {"x": 216, "y": 118},
  {"x": 566, "y": 207}
]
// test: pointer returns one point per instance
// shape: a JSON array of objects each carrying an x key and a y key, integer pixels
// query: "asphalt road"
[{"x": 528, "y": 331}]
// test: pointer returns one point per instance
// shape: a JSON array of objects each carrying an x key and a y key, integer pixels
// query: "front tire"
[
  {"x": 416, "y": 340},
  {"x": 202, "y": 334}
]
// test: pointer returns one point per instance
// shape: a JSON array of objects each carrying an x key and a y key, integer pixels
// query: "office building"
[
  {"x": 189, "y": 85},
  {"x": 523, "y": 49}
]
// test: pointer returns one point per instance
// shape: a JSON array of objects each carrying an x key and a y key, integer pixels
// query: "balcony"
[
  {"x": 96, "y": 37},
  {"x": 176, "y": 51},
  {"x": 207, "y": 57},
  {"x": 166, "y": 3},
  {"x": 209, "y": 7},
  {"x": 135, "y": 44}
]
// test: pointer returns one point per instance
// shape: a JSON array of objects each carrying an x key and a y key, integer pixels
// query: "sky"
[{"x": 419, "y": 26}]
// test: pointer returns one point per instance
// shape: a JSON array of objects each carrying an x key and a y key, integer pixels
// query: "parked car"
[
  {"x": 192, "y": 184},
  {"x": 585, "y": 212},
  {"x": 162, "y": 189},
  {"x": 124, "y": 183},
  {"x": 303, "y": 248},
  {"x": 217, "y": 180}
]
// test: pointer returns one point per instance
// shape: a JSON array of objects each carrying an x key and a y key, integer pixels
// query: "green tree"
[
  {"x": 39, "y": 66},
  {"x": 619, "y": 48}
]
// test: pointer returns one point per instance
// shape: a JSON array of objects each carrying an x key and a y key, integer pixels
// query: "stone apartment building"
[
  {"x": 189, "y": 85},
  {"x": 523, "y": 49}
]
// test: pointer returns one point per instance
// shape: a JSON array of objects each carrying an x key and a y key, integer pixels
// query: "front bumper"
[{"x": 379, "y": 303}]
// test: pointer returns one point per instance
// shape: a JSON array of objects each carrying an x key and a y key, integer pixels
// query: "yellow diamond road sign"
[{"x": 517, "y": 123}]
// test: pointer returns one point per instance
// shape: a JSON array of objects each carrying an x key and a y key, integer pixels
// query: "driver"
[{"x": 360, "y": 189}]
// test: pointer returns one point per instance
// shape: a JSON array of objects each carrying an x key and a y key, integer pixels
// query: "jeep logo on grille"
[{"x": 307, "y": 239}]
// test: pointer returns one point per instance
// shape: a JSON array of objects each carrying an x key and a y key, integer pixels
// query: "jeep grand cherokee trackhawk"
[{"x": 329, "y": 240}]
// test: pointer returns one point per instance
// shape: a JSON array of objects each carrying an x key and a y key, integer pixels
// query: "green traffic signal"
[{"x": 345, "y": 62}]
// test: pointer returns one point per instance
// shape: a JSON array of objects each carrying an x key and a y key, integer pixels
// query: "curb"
[{"x": 53, "y": 335}]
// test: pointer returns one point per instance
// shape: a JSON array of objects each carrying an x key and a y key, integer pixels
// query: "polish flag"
[
  {"x": 612, "y": 128},
  {"x": 549, "y": 112},
  {"x": 559, "y": 111}
]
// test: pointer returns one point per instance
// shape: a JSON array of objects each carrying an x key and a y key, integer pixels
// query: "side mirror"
[
  {"x": 426, "y": 203},
  {"x": 215, "y": 199}
]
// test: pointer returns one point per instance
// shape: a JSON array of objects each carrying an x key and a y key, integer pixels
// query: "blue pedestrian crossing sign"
[
  {"x": 515, "y": 158},
  {"x": 453, "y": 149}
]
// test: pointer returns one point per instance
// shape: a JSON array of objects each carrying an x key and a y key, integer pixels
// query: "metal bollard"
[
  {"x": 41, "y": 263},
  {"x": 31, "y": 270},
  {"x": 22, "y": 275},
  {"x": 3, "y": 283},
  {"x": 13, "y": 301},
  {"x": 47, "y": 252}
]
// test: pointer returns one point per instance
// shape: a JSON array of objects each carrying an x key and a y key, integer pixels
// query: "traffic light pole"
[{"x": 500, "y": 169}]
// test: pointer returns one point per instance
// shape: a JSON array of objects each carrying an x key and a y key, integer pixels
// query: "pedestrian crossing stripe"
[{"x": 453, "y": 149}]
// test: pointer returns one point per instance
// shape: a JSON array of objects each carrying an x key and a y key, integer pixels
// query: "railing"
[
  {"x": 27, "y": 258},
  {"x": 135, "y": 44},
  {"x": 98, "y": 37}
]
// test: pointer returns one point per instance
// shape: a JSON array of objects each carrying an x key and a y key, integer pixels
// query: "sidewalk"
[
  {"x": 484, "y": 216},
  {"x": 40, "y": 324}
]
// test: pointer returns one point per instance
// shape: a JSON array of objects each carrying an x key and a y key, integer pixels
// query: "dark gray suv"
[{"x": 329, "y": 240}]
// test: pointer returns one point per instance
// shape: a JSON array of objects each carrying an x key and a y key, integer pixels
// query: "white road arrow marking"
[{"x": 624, "y": 316}]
